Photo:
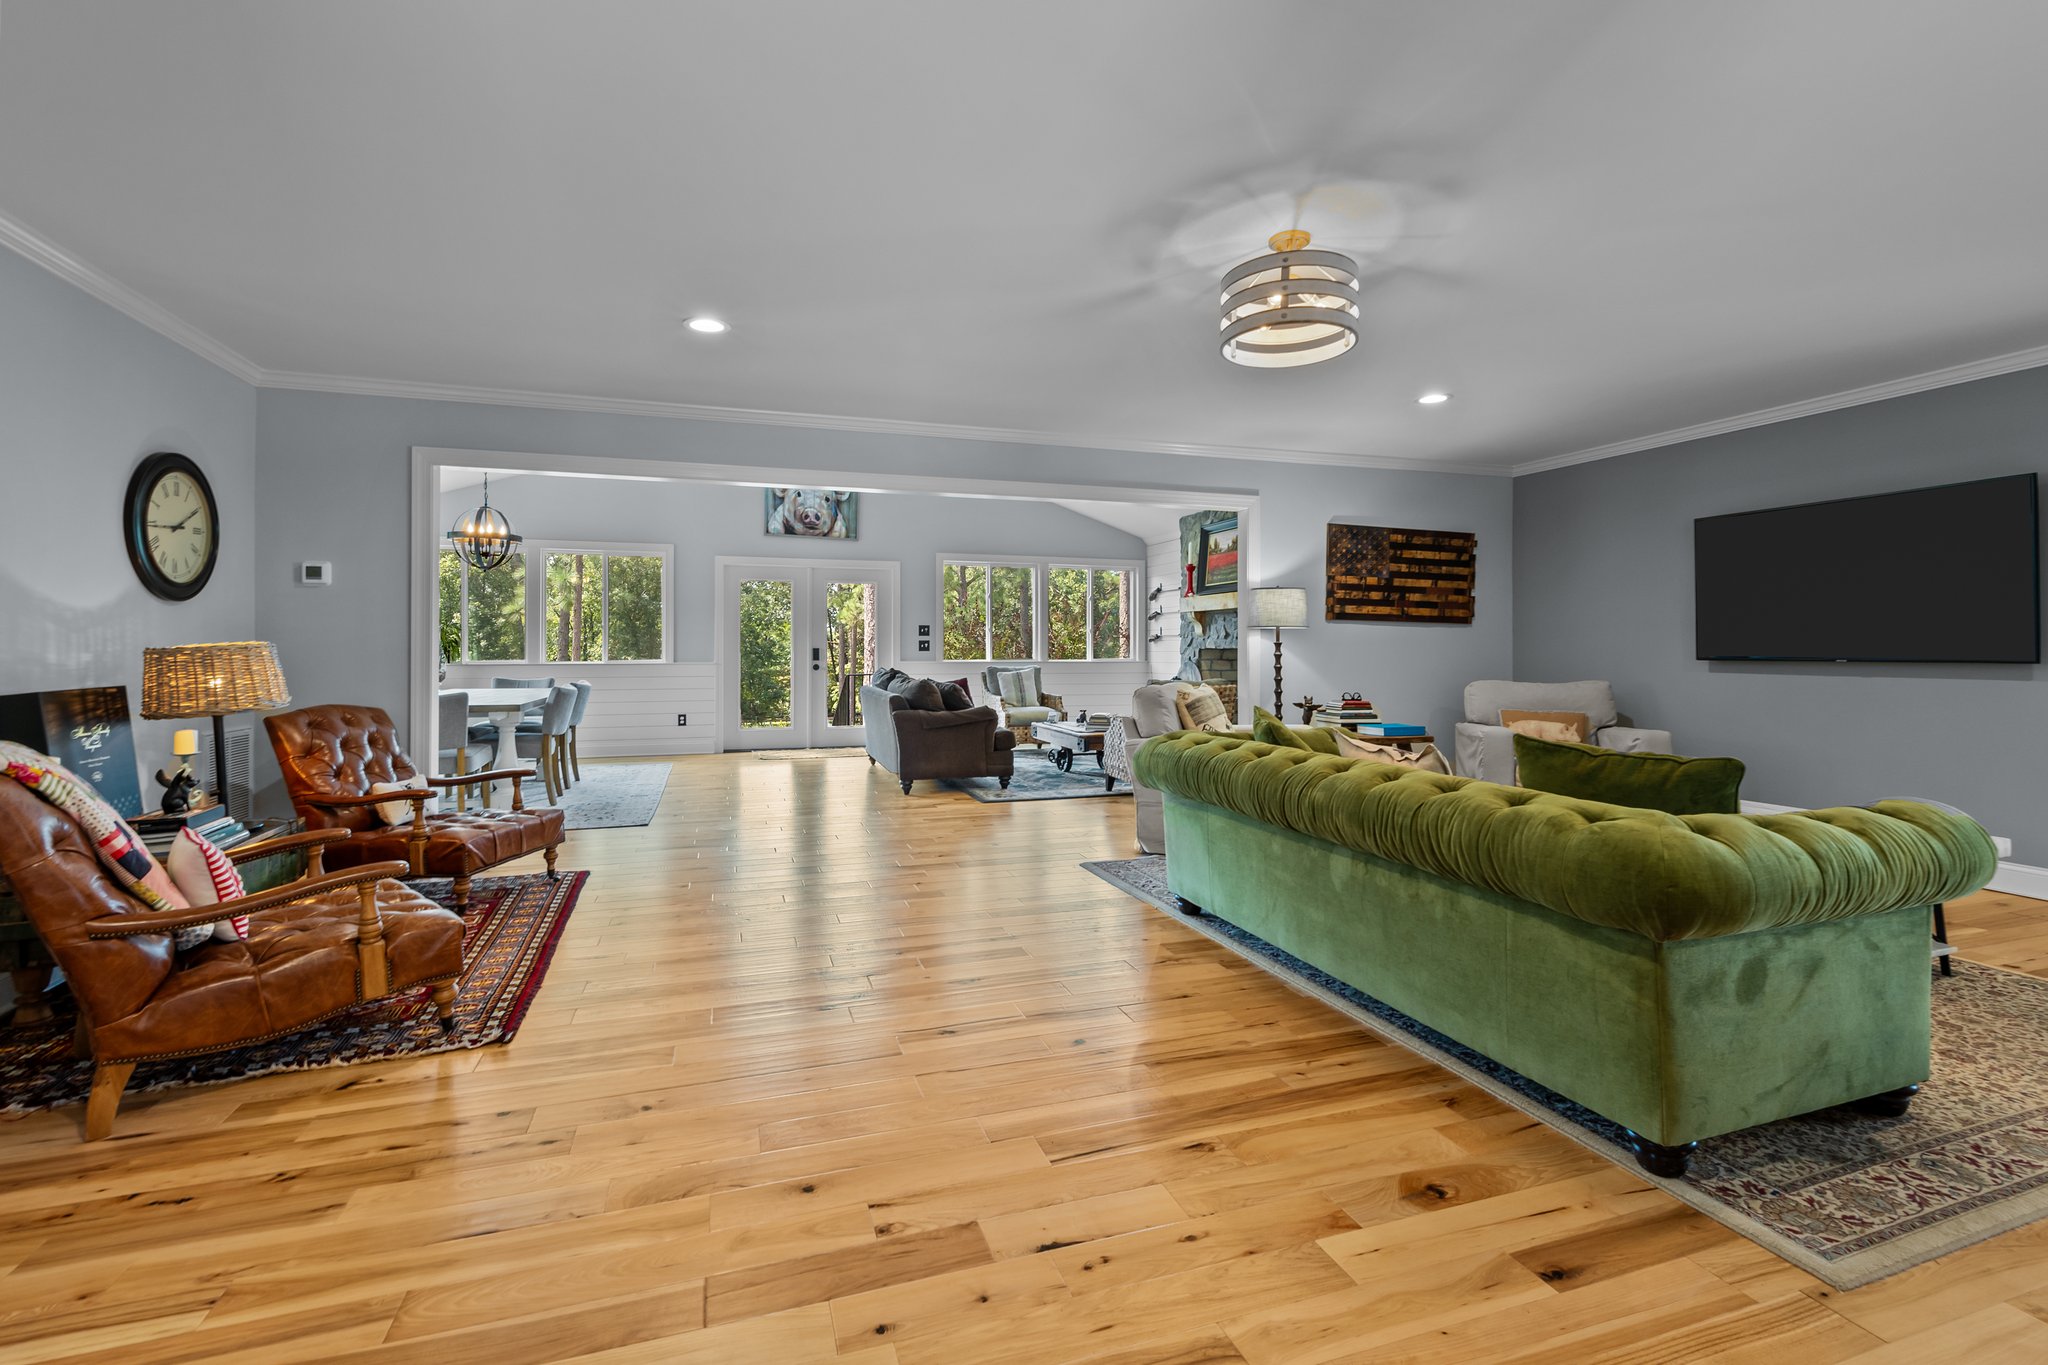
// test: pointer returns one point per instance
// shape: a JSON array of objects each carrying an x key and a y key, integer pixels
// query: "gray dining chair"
[
  {"x": 522, "y": 682},
  {"x": 582, "y": 686},
  {"x": 468, "y": 753},
  {"x": 548, "y": 741}
]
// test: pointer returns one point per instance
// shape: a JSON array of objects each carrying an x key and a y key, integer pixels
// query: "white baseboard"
[{"x": 2018, "y": 879}]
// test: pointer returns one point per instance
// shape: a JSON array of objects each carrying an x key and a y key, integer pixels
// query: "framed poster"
[
  {"x": 1390, "y": 573},
  {"x": 84, "y": 728},
  {"x": 1216, "y": 557},
  {"x": 820, "y": 513}
]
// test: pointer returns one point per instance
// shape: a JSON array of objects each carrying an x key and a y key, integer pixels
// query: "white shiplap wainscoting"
[
  {"x": 1094, "y": 686},
  {"x": 633, "y": 707},
  {"x": 1163, "y": 569}
]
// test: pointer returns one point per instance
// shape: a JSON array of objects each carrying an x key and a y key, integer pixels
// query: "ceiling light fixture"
[
  {"x": 708, "y": 326},
  {"x": 1433, "y": 397},
  {"x": 483, "y": 536},
  {"x": 1294, "y": 307}
]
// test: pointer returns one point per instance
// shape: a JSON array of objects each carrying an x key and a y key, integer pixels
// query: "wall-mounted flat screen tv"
[{"x": 1931, "y": 575}]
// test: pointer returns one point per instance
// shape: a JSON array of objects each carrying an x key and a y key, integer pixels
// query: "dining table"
[{"x": 504, "y": 707}]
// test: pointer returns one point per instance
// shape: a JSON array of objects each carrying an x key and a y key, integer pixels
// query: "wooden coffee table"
[{"x": 1063, "y": 741}]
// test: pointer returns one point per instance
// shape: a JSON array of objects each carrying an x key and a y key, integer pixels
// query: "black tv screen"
[{"x": 1931, "y": 575}]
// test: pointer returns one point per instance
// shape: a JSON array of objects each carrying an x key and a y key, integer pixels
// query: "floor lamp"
[
  {"x": 219, "y": 680},
  {"x": 1277, "y": 609}
]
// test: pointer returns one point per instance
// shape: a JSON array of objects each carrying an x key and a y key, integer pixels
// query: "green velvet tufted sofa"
[{"x": 1682, "y": 975}]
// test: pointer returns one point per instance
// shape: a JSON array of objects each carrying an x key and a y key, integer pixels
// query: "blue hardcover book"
[{"x": 1390, "y": 731}]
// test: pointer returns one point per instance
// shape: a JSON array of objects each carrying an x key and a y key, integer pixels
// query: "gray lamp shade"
[{"x": 1277, "y": 608}]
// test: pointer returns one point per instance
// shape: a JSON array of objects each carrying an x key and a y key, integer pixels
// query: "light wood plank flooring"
[{"x": 825, "y": 1073}]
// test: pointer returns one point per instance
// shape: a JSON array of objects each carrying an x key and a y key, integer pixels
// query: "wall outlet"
[{"x": 682, "y": 718}]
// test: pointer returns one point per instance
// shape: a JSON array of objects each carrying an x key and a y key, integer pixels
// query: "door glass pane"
[
  {"x": 766, "y": 610},
  {"x": 965, "y": 632},
  {"x": 574, "y": 619},
  {"x": 1112, "y": 614},
  {"x": 497, "y": 611},
  {"x": 632, "y": 598},
  {"x": 849, "y": 648},
  {"x": 1009, "y": 611},
  {"x": 451, "y": 607},
  {"x": 1066, "y": 614}
]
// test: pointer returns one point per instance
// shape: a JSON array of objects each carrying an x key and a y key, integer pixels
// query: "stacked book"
[
  {"x": 1345, "y": 715},
  {"x": 212, "y": 823},
  {"x": 1390, "y": 730}
]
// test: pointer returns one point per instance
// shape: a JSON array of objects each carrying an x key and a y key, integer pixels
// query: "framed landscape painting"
[
  {"x": 819, "y": 513},
  {"x": 1216, "y": 558}
]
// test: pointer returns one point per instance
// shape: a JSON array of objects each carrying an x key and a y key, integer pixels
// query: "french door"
[{"x": 799, "y": 639}]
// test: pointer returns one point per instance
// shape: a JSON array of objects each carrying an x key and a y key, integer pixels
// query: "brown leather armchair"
[
  {"x": 331, "y": 754},
  {"x": 315, "y": 948}
]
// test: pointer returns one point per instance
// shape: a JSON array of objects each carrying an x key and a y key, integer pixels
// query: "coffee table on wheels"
[{"x": 1063, "y": 741}]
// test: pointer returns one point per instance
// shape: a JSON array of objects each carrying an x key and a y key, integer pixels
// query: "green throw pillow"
[
  {"x": 1268, "y": 728},
  {"x": 1667, "y": 782}
]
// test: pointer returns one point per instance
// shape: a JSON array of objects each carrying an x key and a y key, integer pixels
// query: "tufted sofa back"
[
  {"x": 62, "y": 886},
  {"x": 336, "y": 751}
]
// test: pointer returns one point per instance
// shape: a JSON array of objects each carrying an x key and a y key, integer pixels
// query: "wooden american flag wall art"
[{"x": 1390, "y": 573}]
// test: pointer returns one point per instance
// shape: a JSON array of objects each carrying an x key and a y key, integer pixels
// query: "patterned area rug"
[
  {"x": 613, "y": 795},
  {"x": 1843, "y": 1196},
  {"x": 510, "y": 932},
  {"x": 1036, "y": 779}
]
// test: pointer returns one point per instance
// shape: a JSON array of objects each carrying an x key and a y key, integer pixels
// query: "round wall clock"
[{"x": 173, "y": 526}]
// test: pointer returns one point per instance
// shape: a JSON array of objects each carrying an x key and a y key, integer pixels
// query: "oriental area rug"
[
  {"x": 1844, "y": 1196},
  {"x": 509, "y": 935}
]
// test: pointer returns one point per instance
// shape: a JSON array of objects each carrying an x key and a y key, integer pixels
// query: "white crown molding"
[
  {"x": 2031, "y": 358},
  {"x": 24, "y": 240},
  {"x": 884, "y": 426}
]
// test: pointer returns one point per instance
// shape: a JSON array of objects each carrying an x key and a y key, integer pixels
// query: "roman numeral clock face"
[{"x": 173, "y": 526}]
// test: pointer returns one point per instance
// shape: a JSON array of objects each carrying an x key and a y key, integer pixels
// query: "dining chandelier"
[
  {"x": 483, "y": 536},
  {"x": 1294, "y": 307}
]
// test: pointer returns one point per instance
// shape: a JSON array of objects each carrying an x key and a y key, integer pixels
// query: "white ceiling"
[{"x": 1590, "y": 221}]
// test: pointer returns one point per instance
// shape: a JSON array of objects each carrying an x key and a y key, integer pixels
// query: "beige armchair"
[
  {"x": 1019, "y": 717},
  {"x": 1153, "y": 713},
  {"x": 1487, "y": 751}
]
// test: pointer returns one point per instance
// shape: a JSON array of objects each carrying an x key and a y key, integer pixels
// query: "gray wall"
[
  {"x": 334, "y": 476},
  {"x": 704, "y": 521},
  {"x": 85, "y": 394},
  {"x": 1603, "y": 567}
]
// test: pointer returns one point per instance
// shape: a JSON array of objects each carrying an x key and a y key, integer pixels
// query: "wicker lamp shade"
[{"x": 211, "y": 680}]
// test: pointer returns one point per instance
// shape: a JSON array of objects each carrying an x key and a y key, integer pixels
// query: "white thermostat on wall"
[{"x": 316, "y": 575}]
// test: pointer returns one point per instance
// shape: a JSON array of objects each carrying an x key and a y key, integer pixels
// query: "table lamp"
[
  {"x": 217, "y": 680},
  {"x": 1277, "y": 609}
]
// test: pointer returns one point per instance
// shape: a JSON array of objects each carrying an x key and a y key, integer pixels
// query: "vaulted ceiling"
[{"x": 1588, "y": 221}]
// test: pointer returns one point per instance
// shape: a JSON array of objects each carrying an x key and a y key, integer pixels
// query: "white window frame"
[
  {"x": 1132, "y": 577},
  {"x": 1041, "y": 588},
  {"x": 535, "y": 553},
  {"x": 462, "y": 610}
]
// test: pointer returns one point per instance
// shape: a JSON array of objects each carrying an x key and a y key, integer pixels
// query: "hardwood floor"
[{"x": 824, "y": 1073}]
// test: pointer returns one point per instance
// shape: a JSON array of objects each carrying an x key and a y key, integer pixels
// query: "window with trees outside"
[
  {"x": 483, "y": 615},
  {"x": 1037, "y": 609},
  {"x": 582, "y": 605},
  {"x": 600, "y": 607},
  {"x": 1088, "y": 612},
  {"x": 990, "y": 610}
]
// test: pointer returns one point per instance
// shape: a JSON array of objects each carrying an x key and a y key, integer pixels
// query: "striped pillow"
[
  {"x": 205, "y": 876},
  {"x": 120, "y": 849}
]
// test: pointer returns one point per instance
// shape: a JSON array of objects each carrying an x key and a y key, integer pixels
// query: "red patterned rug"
[{"x": 509, "y": 934}]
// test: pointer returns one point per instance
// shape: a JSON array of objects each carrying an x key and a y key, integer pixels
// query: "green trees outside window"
[
  {"x": 766, "y": 613},
  {"x": 1088, "y": 613},
  {"x": 593, "y": 607},
  {"x": 990, "y": 611}
]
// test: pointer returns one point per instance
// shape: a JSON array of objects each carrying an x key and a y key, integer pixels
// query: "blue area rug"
[
  {"x": 1036, "y": 779},
  {"x": 611, "y": 795},
  {"x": 1844, "y": 1196}
]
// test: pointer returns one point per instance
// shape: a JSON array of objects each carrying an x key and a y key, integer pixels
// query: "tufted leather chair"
[
  {"x": 331, "y": 754},
  {"x": 316, "y": 947}
]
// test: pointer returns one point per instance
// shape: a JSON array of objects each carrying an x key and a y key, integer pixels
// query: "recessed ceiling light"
[
  {"x": 1433, "y": 397},
  {"x": 710, "y": 326}
]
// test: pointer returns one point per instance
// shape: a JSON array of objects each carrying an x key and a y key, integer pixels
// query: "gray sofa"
[
  {"x": 1486, "y": 749},
  {"x": 1152, "y": 714},
  {"x": 915, "y": 741}
]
